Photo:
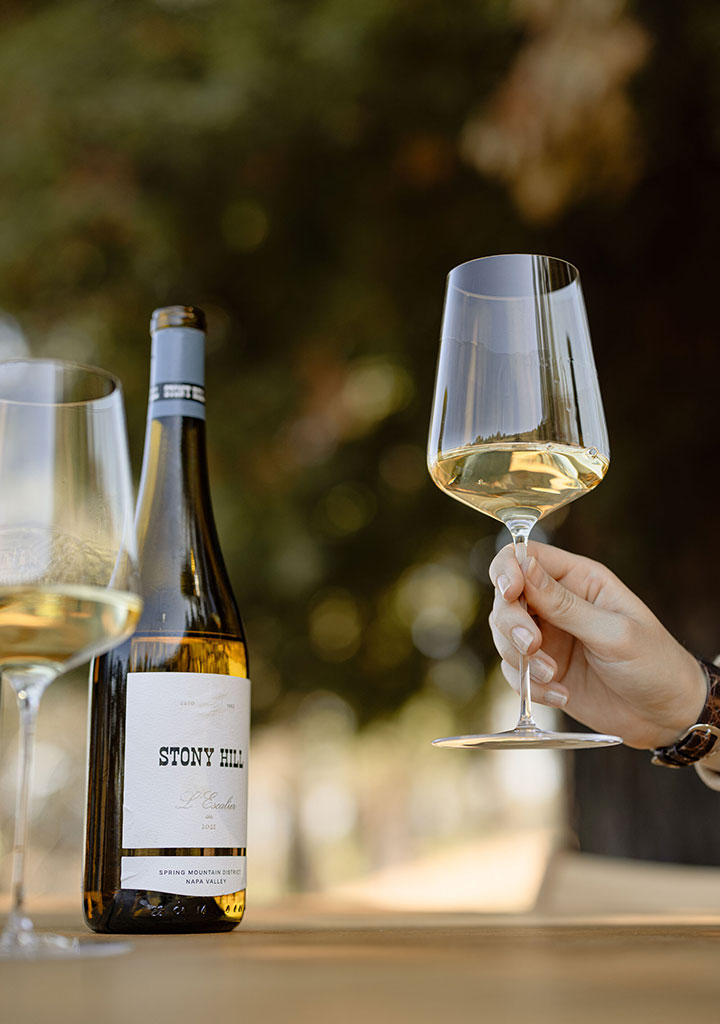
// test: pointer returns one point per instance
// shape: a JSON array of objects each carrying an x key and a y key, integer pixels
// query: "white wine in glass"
[
  {"x": 517, "y": 428},
  {"x": 69, "y": 585}
]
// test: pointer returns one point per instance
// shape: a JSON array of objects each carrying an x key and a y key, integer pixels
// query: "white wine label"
[
  {"x": 186, "y": 755},
  {"x": 199, "y": 876}
]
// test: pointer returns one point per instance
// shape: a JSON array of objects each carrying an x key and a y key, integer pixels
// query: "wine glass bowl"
[
  {"x": 69, "y": 584},
  {"x": 517, "y": 429}
]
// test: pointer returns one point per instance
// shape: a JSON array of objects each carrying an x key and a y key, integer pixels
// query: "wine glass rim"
[
  {"x": 113, "y": 382},
  {"x": 574, "y": 272}
]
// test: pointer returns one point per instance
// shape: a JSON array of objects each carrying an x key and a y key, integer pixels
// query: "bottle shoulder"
[
  {"x": 202, "y": 611},
  {"x": 173, "y": 651}
]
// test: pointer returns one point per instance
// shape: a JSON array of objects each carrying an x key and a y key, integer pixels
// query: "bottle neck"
[
  {"x": 174, "y": 489},
  {"x": 182, "y": 571},
  {"x": 183, "y": 576},
  {"x": 184, "y": 581},
  {"x": 174, "y": 493}
]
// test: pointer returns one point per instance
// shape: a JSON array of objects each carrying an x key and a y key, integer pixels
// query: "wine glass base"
[
  {"x": 530, "y": 739},
  {"x": 44, "y": 946}
]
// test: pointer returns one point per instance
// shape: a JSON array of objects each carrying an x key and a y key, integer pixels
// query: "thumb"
[{"x": 560, "y": 606}]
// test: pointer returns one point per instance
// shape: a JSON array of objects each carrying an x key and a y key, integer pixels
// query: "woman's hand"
[{"x": 595, "y": 649}]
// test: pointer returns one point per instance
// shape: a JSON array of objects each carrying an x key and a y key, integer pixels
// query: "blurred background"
[{"x": 308, "y": 171}]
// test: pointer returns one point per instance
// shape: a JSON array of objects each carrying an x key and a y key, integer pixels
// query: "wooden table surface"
[{"x": 300, "y": 962}]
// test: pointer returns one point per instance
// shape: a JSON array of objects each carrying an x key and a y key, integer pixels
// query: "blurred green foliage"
[{"x": 308, "y": 172}]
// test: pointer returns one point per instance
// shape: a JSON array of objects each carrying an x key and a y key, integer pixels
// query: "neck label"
[
  {"x": 177, "y": 373},
  {"x": 186, "y": 392}
]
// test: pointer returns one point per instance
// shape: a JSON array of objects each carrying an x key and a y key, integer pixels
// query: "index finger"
[
  {"x": 506, "y": 575},
  {"x": 504, "y": 568}
]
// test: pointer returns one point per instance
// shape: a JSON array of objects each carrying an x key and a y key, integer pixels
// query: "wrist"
[
  {"x": 701, "y": 738},
  {"x": 691, "y": 694}
]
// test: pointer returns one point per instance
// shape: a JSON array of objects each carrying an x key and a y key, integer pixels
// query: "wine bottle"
[{"x": 169, "y": 708}]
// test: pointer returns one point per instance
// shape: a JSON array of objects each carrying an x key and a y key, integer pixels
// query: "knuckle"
[
  {"x": 564, "y": 600},
  {"x": 502, "y": 646},
  {"x": 597, "y": 579}
]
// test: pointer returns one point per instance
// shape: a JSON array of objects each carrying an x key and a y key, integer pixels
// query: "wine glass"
[
  {"x": 68, "y": 564},
  {"x": 517, "y": 428}
]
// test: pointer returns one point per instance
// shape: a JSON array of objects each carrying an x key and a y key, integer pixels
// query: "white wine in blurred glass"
[
  {"x": 68, "y": 566},
  {"x": 517, "y": 428}
]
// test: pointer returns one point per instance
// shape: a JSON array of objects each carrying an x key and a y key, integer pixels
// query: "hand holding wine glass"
[
  {"x": 517, "y": 427},
  {"x": 594, "y": 647},
  {"x": 68, "y": 574}
]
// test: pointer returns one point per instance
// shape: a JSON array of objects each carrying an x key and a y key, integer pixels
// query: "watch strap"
[{"x": 700, "y": 739}]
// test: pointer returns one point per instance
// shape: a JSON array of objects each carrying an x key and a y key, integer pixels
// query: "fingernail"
[
  {"x": 502, "y": 583},
  {"x": 522, "y": 638},
  {"x": 542, "y": 669},
  {"x": 533, "y": 572},
  {"x": 555, "y": 698}
]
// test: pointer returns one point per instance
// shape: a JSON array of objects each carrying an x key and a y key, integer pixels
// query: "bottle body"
[{"x": 169, "y": 708}]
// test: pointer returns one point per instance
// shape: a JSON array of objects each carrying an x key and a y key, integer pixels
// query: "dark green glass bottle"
[{"x": 169, "y": 708}]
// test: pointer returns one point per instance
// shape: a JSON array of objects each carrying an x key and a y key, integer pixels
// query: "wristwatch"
[{"x": 700, "y": 739}]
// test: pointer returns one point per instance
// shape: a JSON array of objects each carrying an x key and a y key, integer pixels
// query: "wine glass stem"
[
  {"x": 526, "y": 720},
  {"x": 29, "y": 685}
]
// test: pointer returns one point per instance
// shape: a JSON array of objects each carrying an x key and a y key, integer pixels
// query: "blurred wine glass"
[{"x": 69, "y": 585}]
